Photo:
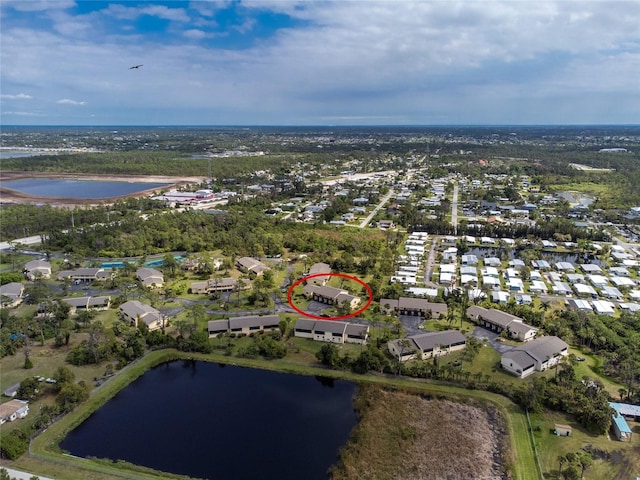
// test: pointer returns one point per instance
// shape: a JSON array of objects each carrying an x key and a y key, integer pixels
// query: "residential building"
[
  {"x": 331, "y": 295},
  {"x": 150, "y": 277},
  {"x": 331, "y": 331},
  {"x": 534, "y": 356},
  {"x": 134, "y": 311},
  {"x": 85, "y": 274},
  {"x": 11, "y": 294},
  {"x": 12, "y": 410},
  {"x": 87, "y": 303},
  {"x": 427, "y": 345},
  {"x": 212, "y": 285},
  {"x": 412, "y": 306},
  {"x": 318, "y": 269},
  {"x": 245, "y": 325},
  {"x": 498, "y": 321},
  {"x": 251, "y": 265},
  {"x": 37, "y": 268}
]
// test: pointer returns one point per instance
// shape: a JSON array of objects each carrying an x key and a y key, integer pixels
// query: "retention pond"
[{"x": 222, "y": 422}]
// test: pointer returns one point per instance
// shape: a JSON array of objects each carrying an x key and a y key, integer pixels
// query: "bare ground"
[
  {"x": 11, "y": 196},
  {"x": 408, "y": 437}
]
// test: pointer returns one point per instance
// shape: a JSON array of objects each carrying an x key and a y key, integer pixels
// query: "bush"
[{"x": 13, "y": 445}]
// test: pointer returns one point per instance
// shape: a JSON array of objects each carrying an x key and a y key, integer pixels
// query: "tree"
[
  {"x": 63, "y": 375},
  {"x": 585, "y": 460},
  {"x": 28, "y": 389},
  {"x": 71, "y": 394},
  {"x": 561, "y": 461},
  {"x": 329, "y": 355}
]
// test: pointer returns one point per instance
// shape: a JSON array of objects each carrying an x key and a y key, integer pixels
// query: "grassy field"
[
  {"x": 47, "y": 459},
  {"x": 624, "y": 462}
]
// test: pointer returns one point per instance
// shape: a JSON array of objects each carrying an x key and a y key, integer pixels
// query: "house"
[
  {"x": 253, "y": 323},
  {"x": 602, "y": 307},
  {"x": 537, "y": 286},
  {"x": 226, "y": 284},
  {"x": 427, "y": 345},
  {"x": 317, "y": 269},
  {"x": 330, "y": 295},
  {"x": 87, "y": 303},
  {"x": 134, "y": 311},
  {"x": 541, "y": 264},
  {"x": 12, "y": 410},
  {"x": 385, "y": 224},
  {"x": 150, "y": 277},
  {"x": 565, "y": 267},
  {"x": 611, "y": 292},
  {"x": 245, "y": 325},
  {"x": 578, "y": 304},
  {"x": 619, "y": 424},
  {"x": 251, "y": 265},
  {"x": 500, "y": 297},
  {"x": 413, "y": 306},
  {"x": 515, "y": 285},
  {"x": 331, "y": 331},
  {"x": 534, "y": 356},
  {"x": 11, "y": 294},
  {"x": 470, "y": 260},
  {"x": 37, "y": 269},
  {"x": 12, "y": 391},
  {"x": 598, "y": 281},
  {"x": 562, "y": 430},
  {"x": 85, "y": 274},
  {"x": 561, "y": 288},
  {"x": 498, "y": 321},
  {"x": 583, "y": 290},
  {"x": 492, "y": 262},
  {"x": 591, "y": 268}
]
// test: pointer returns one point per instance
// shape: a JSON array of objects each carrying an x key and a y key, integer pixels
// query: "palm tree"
[{"x": 561, "y": 460}]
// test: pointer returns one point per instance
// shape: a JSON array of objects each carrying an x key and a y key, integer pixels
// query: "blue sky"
[{"x": 304, "y": 62}]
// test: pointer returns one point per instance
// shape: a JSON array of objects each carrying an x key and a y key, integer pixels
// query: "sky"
[{"x": 311, "y": 62}]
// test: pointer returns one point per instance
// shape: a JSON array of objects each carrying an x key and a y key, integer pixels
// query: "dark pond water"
[
  {"x": 46, "y": 187},
  {"x": 222, "y": 423}
]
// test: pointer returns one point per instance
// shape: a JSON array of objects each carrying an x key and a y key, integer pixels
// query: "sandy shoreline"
[{"x": 12, "y": 196}]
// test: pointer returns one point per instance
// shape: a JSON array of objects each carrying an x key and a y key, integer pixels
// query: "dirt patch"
[
  {"x": 409, "y": 437},
  {"x": 11, "y": 196}
]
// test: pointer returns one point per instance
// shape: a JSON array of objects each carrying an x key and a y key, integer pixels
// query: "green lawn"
[{"x": 550, "y": 446}]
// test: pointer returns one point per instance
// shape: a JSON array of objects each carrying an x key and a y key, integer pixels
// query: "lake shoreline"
[
  {"x": 44, "y": 447},
  {"x": 10, "y": 196}
]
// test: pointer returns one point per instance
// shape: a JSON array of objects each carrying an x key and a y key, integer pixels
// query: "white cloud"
[
  {"x": 196, "y": 34},
  {"x": 37, "y": 5},
  {"x": 19, "y": 96},
  {"x": 68, "y": 101},
  {"x": 349, "y": 60}
]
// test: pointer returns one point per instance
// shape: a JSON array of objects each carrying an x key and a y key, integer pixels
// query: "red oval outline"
[{"x": 343, "y": 275}]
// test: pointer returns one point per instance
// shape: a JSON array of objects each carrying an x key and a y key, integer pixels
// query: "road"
[
  {"x": 454, "y": 209},
  {"x": 33, "y": 240},
  {"x": 384, "y": 200}
]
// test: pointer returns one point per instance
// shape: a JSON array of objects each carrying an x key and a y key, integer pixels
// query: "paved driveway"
[
  {"x": 410, "y": 323},
  {"x": 481, "y": 333}
]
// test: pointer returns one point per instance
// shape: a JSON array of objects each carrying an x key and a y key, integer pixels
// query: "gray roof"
[
  {"x": 144, "y": 273},
  {"x": 304, "y": 324},
  {"x": 324, "y": 291},
  {"x": 134, "y": 309},
  {"x": 518, "y": 327},
  {"x": 495, "y": 316},
  {"x": 356, "y": 330},
  {"x": 254, "y": 321},
  {"x": 523, "y": 359},
  {"x": 428, "y": 341},
  {"x": 86, "y": 302},
  {"x": 319, "y": 268},
  {"x": 330, "y": 326},
  {"x": 218, "y": 325},
  {"x": 13, "y": 289},
  {"x": 543, "y": 347}
]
